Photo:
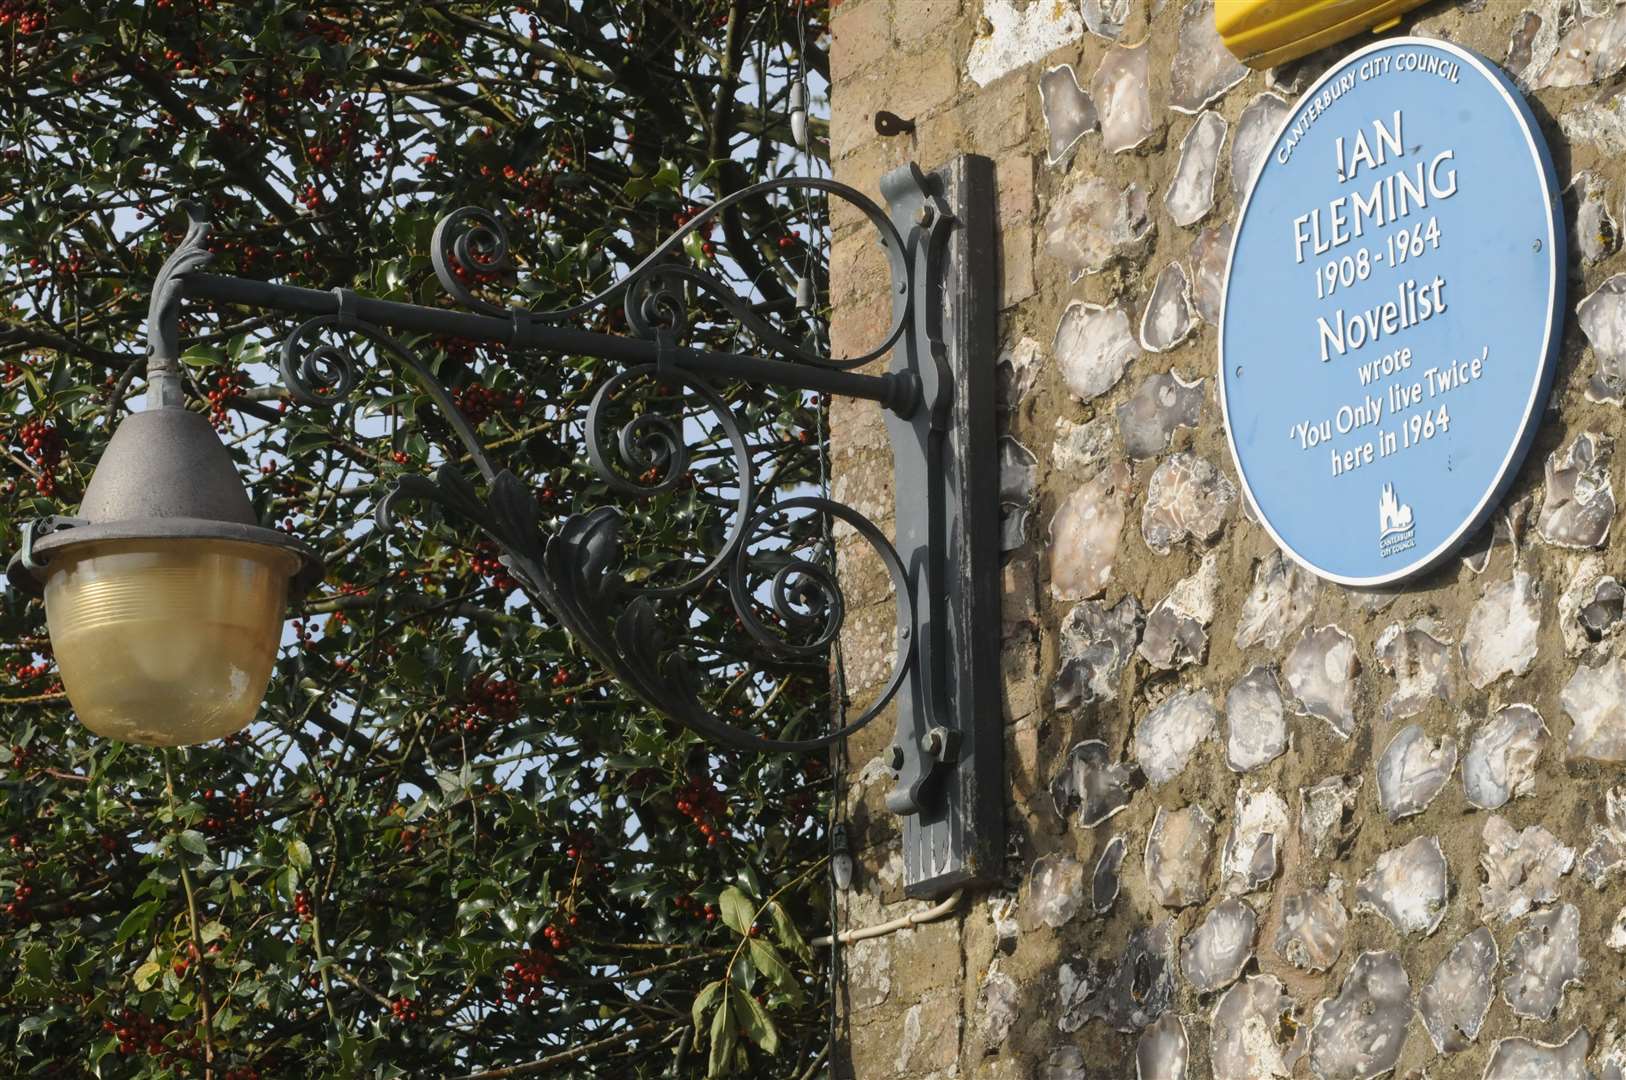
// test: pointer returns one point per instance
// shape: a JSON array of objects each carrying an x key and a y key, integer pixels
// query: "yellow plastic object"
[
  {"x": 1264, "y": 33},
  {"x": 166, "y": 643}
]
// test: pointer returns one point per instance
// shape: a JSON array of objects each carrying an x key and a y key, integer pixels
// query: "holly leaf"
[
  {"x": 736, "y": 909},
  {"x": 789, "y": 936},
  {"x": 194, "y": 841},
  {"x": 758, "y": 1025},
  {"x": 723, "y": 1037},
  {"x": 299, "y": 853},
  {"x": 769, "y": 962},
  {"x": 203, "y": 356},
  {"x": 667, "y": 176},
  {"x": 137, "y": 921},
  {"x": 147, "y": 974},
  {"x": 703, "y": 1001},
  {"x": 34, "y": 1023},
  {"x": 694, "y": 245}
]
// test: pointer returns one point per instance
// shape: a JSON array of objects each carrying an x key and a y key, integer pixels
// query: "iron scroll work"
[{"x": 938, "y": 393}]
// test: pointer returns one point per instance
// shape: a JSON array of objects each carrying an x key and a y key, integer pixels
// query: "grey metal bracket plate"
[{"x": 949, "y": 747}]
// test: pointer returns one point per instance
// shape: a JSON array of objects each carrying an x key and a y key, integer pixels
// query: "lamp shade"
[
  {"x": 167, "y": 643},
  {"x": 163, "y": 599}
]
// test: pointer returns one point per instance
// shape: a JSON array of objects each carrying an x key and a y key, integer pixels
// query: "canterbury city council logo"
[{"x": 1394, "y": 523}]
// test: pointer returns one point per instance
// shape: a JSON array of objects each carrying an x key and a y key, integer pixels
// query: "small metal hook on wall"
[{"x": 890, "y": 123}]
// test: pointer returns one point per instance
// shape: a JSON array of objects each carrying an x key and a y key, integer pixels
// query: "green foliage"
[{"x": 449, "y": 843}]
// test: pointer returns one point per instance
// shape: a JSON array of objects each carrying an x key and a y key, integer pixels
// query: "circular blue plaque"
[{"x": 1393, "y": 308}]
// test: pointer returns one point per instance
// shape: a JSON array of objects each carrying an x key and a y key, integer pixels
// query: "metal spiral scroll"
[
  {"x": 804, "y": 595},
  {"x": 472, "y": 242},
  {"x": 577, "y": 579},
  {"x": 655, "y": 303},
  {"x": 574, "y": 572},
  {"x": 321, "y": 372},
  {"x": 651, "y": 441}
]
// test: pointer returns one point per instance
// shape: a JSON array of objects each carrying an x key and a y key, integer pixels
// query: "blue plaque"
[{"x": 1393, "y": 309}]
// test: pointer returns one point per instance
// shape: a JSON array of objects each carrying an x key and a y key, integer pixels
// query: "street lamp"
[{"x": 164, "y": 598}]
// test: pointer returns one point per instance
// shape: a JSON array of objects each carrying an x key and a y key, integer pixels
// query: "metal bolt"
[
  {"x": 1239, "y": 371},
  {"x": 1535, "y": 245},
  {"x": 940, "y": 742}
]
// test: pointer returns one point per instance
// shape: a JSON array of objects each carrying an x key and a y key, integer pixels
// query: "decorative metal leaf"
[
  {"x": 449, "y": 489},
  {"x": 513, "y": 509},
  {"x": 585, "y": 553},
  {"x": 458, "y": 494}
]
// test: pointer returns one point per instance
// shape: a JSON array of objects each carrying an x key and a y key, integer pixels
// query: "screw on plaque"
[{"x": 890, "y": 123}]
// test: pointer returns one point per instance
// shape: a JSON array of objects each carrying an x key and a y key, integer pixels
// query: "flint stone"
[
  {"x": 1518, "y": 1058},
  {"x": 1521, "y": 869},
  {"x": 1210, "y": 254},
  {"x": 1179, "y": 849},
  {"x": 1187, "y": 497},
  {"x": 1283, "y": 596},
  {"x": 1359, "y": 1033},
  {"x": 1245, "y": 1031},
  {"x": 1542, "y": 961},
  {"x": 1093, "y": 784},
  {"x": 1408, "y": 886},
  {"x": 1091, "y": 225},
  {"x": 1419, "y": 656},
  {"x": 1160, "y": 405},
  {"x": 1412, "y": 770},
  {"x": 1254, "y": 133},
  {"x": 1602, "y": 316},
  {"x": 1321, "y": 672},
  {"x": 1455, "y": 999},
  {"x": 1191, "y": 193},
  {"x": 1176, "y": 631},
  {"x": 1163, "y": 1051},
  {"x": 1093, "y": 348},
  {"x": 1213, "y": 955},
  {"x": 1595, "y": 699},
  {"x": 1121, "y": 89},
  {"x": 1203, "y": 68},
  {"x": 1258, "y": 830},
  {"x": 1096, "y": 642},
  {"x": 1069, "y": 114},
  {"x": 1256, "y": 722},
  {"x": 1313, "y": 927},
  {"x": 1580, "y": 502},
  {"x": 1501, "y": 636},
  {"x": 1168, "y": 319},
  {"x": 1084, "y": 535},
  {"x": 1501, "y": 762},
  {"x": 1168, "y": 736}
]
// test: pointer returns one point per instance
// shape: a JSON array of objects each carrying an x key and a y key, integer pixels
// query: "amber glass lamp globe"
[
  {"x": 164, "y": 601},
  {"x": 167, "y": 644}
]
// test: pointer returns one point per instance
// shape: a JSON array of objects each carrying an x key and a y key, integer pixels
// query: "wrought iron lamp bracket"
[{"x": 938, "y": 395}]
